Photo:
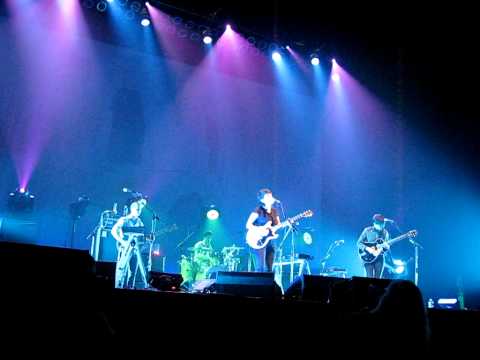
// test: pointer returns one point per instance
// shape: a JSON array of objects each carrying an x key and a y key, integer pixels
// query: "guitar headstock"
[
  {"x": 412, "y": 233},
  {"x": 308, "y": 213}
]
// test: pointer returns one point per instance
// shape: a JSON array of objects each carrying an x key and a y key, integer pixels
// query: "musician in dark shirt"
[
  {"x": 128, "y": 231},
  {"x": 263, "y": 258},
  {"x": 369, "y": 237}
]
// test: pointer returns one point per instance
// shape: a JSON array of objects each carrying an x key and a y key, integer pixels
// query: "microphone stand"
[
  {"x": 328, "y": 255},
  {"x": 290, "y": 231},
  {"x": 155, "y": 219},
  {"x": 416, "y": 246}
]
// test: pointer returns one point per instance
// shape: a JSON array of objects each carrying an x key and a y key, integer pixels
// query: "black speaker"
[
  {"x": 165, "y": 281},
  {"x": 105, "y": 274},
  {"x": 312, "y": 287},
  {"x": 107, "y": 250},
  {"x": 246, "y": 284},
  {"x": 55, "y": 273},
  {"x": 18, "y": 230}
]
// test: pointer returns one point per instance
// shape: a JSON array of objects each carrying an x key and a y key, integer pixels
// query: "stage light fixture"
[
  {"x": 207, "y": 37},
  {"x": 102, "y": 6},
  {"x": 213, "y": 213},
  {"x": 20, "y": 201},
  {"x": 307, "y": 238},
  {"x": 314, "y": 59},
  {"x": 276, "y": 56},
  {"x": 145, "y": 22}
]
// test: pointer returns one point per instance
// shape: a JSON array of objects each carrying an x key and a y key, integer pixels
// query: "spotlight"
[
  {"x": 228, "y": 27},
  {"x": 399, "y": 266},
  {"x": 334, "y": 61},
  {"x": 207, "y": 37},
  {"x": 110, "y": 1},
  {"x": 307, "y": 238},
  {"x": 314, "y": 60},
  {"x": 145, "y": 22},
  {"x": 213, "y": 213},
  {"x": 288, "y": 47},
  {"x": 276, "y": 56},
  {"x": 102, "y": 6},
  {"x": 335, "y": 77},
  {"x": 20, "y": 201},
  {"x": 207, "y": 40}
]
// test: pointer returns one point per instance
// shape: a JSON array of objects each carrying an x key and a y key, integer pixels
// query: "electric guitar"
[
  {"x": 259, "y": 236},
  {"x": 132, "y": 233},
  {"x": 374, "y": 249}
]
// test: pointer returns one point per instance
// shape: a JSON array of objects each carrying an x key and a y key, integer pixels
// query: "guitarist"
[
  {"x": 369, "y": 236},
  {"x": 129, "y": 259},
  {"x": 263, "y": 258}
]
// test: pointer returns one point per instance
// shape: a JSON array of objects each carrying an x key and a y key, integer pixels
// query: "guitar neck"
[
  {"x": 290, "y": 220},
  {"x": 397, "y": 239}
]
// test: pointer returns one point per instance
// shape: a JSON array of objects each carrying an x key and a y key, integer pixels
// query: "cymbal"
[
  {"x": 233, "y": 248},
  {"x": 200, "y": 248}
]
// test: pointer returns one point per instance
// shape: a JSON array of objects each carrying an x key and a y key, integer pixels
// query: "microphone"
[
  {"x": 134, "y": 193},
  {"x": 339, "y": 242},
  {"x": 388, "y": 220}
]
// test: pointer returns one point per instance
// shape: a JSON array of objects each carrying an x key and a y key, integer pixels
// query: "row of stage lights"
[{"x": 137, "y": 9}]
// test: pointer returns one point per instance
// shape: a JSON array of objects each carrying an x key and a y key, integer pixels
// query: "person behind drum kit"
[
  {"x": 129, "y": 260},
  {"x": 265, "y": 212},
  {"x": 204, "y": 246},
  {"x": 370, "y": 235},
  {"x": 204, "y": 256}
]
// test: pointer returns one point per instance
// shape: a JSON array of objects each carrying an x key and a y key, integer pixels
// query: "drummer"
[{"x": 203, "y": 249}]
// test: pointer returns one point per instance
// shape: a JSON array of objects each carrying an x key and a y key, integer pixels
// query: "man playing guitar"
[
  {"x": 263, "y": 215},
  {"x": 371, "y": 235}
]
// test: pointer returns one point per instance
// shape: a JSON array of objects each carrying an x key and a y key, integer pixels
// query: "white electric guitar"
[{"x": 259, "y": 236}]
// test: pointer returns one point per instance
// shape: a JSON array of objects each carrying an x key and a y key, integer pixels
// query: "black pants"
[
  {"x": 263, "y": 258},
  {"x": 374, "y": 269}
]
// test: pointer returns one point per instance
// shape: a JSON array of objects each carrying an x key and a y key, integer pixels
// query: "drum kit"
[{"x": 203, "y": 262}]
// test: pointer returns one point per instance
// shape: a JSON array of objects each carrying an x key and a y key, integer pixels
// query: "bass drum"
[
  {"x": 187, "y": 269},
  {"x": 212, "y": 272}
]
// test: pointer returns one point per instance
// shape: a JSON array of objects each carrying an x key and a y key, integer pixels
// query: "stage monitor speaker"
[
  {"x": 18, "y": 230},
  {"x": 49, "y": 272},
  {"x": 107, "y": 250},
  {"x": 312, "y": 288},
  {"x": 165, "y": 281},
  {"x": 105, "y": 274},
  {"x": 246, "y": 284}
]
